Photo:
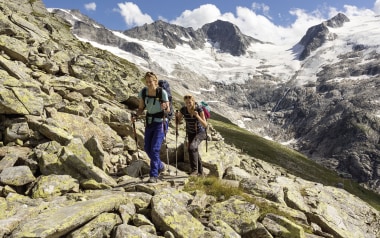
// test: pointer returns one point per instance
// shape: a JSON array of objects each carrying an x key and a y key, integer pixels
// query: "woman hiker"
[
  {"x": 156, "y": 123},
  {"x": 195, "y": 130}
]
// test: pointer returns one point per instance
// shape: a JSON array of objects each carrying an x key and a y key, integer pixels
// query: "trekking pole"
[
  {"x": 176, "y": 139},
  {"x": 185, "y": 147},
  {"x": 206, "y": 138},
  {"x": 137, "y": 144},
  {"x": 166, "y": 142}
]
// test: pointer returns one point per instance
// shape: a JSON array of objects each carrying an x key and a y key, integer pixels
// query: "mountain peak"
[
  {"x": 223, "y": 35},
  {"x": 318, "y": 34},
  {"x": 169, "y": 35},
  {"x": 337, "y": 21},
  {"x": 227, "y": 37}
]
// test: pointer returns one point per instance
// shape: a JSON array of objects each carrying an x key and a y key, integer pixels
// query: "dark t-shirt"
[{"x": 193, "y": 126}]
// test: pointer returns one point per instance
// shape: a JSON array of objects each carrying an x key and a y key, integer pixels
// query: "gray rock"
[
  {"x": 54, "y": 185},
  {"x": 17, "y": 176}
]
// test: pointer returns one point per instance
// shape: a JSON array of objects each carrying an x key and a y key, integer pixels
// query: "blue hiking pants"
[{"x": 154, "y": 136}]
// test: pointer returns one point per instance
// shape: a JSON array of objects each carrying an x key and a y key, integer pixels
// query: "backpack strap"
[
  {"x": 158, "y": 95},
  {"x": 143, "y": 94},
  {"x": 201, "y": 107}
]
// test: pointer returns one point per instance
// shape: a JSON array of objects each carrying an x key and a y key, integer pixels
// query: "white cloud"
[
  {"x": 252, "y": 24},
  {"x": 261, "y": 7},
  {"x": 376, "y": 7},
  {"x": 133, "y": 15},
  {"x": 90, "y": 6},
  {"x": 355, "y": 11},
  {"x": 198, "y": 17}
]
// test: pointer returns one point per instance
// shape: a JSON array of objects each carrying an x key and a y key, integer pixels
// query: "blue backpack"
[{"x": 162, "y": 84}]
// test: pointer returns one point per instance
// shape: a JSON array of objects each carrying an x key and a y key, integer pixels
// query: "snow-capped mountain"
[{"x": 320, "y": 95}]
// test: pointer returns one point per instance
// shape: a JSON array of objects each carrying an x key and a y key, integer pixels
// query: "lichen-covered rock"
[
  {"x": 333, "y": 209},
  {"x": 101, "y": 226},
  {"x": 128, "y": 231},
  {"x": 168, "y": 214},
  {"x": 238, "y": 214},
  {"x": 88, "y": 184},
  {"x": 127, "y": 211},
  {"x": 10, "y": 104},
  {"x": 15, "y": 48},
  {"x": 280, "y": 226},
  {"x": 54, "y": 185},
  {"x": 60, "y": 221},
  {"x": 75, "y": 157},
  {"x": 224, "y": 229},
  {"x": 17, "y": 176}
]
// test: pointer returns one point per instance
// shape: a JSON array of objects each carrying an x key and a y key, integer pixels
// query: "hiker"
[
  {"x": 195, "y": 130},
  {"x": 156, "y": 123}
]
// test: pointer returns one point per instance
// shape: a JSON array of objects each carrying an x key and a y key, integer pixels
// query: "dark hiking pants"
[{"x": 194, "y": 157}]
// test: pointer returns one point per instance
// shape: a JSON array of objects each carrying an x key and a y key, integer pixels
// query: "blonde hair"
[{"x": 152, "y": 76}]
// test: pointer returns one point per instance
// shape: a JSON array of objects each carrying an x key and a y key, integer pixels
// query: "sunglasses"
[
  {"x": 150, "y": 74},
  {"x": 187, "y": 97}
]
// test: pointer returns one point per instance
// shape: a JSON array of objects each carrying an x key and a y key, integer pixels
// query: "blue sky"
[{"x": 252, "y": 17}]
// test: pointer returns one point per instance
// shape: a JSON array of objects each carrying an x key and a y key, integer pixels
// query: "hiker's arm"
[
  {"x": 140, "y": 110},
  {"x": 201, "y": 118},
  {"x": 179, "y": 116}
]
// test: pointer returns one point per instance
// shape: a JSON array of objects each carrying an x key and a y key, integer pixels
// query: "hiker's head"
[
  {"x": 189, "y": 97},
  {"x": 151, "y": 78},
  {"x": 189, "y": 100}
]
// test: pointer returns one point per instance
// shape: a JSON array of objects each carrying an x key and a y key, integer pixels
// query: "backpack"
[
  {"x": 162, "y": 84},
  {"x": 206, "y": 109}
]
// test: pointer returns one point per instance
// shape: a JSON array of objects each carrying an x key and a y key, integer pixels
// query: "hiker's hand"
[
  {"x": 134, "y": 116},
  {"x": 165, "y": 106},
  {"x": 178, "y": 117}
]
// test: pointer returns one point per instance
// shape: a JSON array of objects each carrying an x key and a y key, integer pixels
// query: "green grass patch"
[{"x": 212, "y": 186}]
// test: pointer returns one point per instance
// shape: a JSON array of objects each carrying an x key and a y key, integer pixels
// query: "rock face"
[
  {"x": 319, "y": 34},
  {"x": 227, "y": 37},
  {"x": 167, "y": 34},
  {"x": 69, "y": 161},
  {"x": 223, "y": 35},
  {"x": 87, "y": 29}
]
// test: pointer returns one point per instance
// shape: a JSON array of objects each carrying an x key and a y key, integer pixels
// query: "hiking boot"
[
  {"x": 152, "y": 180},
  {"x": 194, "y": 173},
  {"x": 162, "y": 170}
]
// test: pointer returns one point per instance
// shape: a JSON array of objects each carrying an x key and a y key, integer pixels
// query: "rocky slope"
[
  {"x": 69, "y": 161},
  {"x": 332, "y": 118}
]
